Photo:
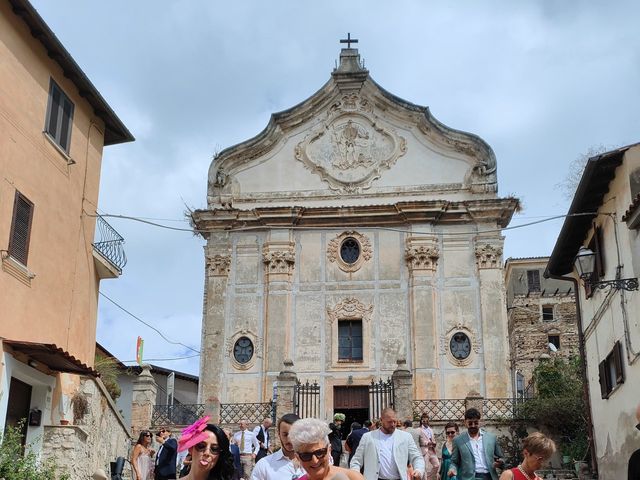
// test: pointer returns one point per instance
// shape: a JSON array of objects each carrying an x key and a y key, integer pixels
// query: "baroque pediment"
[
  {"x": 350, "y": 148},
  {"x": 351, "y": 138}
]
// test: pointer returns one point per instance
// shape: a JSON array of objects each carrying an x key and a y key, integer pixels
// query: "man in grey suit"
[
  {"x": 385, "y": 453},
  {"x": 476, "y": 453}
]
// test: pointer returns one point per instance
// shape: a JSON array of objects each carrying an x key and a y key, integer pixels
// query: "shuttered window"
[
  {"x": 59, "y": 116},
  {"x": 533, "y": 280},
  {"x": 611, "y": 371},
  {"x": 20, "y": 228}
]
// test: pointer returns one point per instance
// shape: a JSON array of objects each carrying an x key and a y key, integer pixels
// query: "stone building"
[
  {"x": 541, "y": 313},
  {"x": 355, "y": 232}
]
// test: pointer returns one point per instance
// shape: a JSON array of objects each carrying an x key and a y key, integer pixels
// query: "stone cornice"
[{"x": 497, "y": 211}]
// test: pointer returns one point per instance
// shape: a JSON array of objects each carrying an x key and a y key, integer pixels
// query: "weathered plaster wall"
[{"x": 94, "y": 441}]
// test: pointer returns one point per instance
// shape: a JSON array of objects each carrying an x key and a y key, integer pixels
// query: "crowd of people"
[{"x": 311, "y": 449}]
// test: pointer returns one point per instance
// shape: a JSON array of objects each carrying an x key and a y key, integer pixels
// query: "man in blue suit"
[
  {"x": 167, "y": 454},
  {"x": 476, "y": 453}
]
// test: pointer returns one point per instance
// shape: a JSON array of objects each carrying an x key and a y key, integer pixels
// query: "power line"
[
  {"x": 389, "y": 229},
  {"x": 161, "y": 359},
  {"x": 148, "y": 325}
]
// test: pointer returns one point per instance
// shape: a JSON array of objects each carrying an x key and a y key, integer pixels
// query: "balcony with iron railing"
[{"x": 108, "y": 250}]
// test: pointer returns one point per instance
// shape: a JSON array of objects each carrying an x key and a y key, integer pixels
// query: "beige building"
[
  {"x": 542, "y": 319},
  {"x": 355, "y": 232},
  {"x": 602, "y": 226},
  {"x": 53, "y": 127}
]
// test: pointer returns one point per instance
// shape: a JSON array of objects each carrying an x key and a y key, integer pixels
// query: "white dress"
[{"x": 144, "y": 463}]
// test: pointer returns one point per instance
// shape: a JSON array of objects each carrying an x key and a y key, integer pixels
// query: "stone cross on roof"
[{"x": 348, "y": 40}]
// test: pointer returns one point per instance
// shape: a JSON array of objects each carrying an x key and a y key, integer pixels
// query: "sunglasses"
[
  {"x": 451, "y": 432},
  {"x": 147, "y": 434},
  {"x": 202, "y": 446},
  {"x": 473, "y": 423},
  {"x": 307, "y": 456}
]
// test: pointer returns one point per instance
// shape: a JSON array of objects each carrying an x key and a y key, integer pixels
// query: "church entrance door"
[{"x": 354, "y": 403}]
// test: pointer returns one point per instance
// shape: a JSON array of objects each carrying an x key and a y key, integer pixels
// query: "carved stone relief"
[
  {"x": 279, "y": 260},
  {"x": 258, "y": 345},
  {"x": 488, "y": 256},
  {"x": 350, "y": 148},
  {"x": 445, "y": 341},
  {"x": 333, "y": 251},
  {"x": 350, "y": 309},
  {"x": 422, "y": 254},
  {"x": 218, "y": 265}
]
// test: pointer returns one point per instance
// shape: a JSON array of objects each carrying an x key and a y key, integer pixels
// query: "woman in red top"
[{"x": 536, "y": 449}]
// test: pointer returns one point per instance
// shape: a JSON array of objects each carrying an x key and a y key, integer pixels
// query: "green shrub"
[{"x": 20, "y": 463}]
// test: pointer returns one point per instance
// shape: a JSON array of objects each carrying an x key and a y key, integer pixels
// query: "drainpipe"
[{"x": 583, "y": 367}]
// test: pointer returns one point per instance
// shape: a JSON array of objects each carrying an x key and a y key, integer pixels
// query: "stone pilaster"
[
  {"x": 494, "y": 338},
  {"x": 278, "y": 256},
  {"x": 143, "y": 400},
  {"x": 287, "y": 380},
  {"x": 422, "y": 254},
  {"x": 474, "y": 400},
  {"x": 218, "y": 266},
  {"x": 403, "y": 385}
]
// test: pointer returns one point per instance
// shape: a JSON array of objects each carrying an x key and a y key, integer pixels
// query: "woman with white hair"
[{"x": 310, "y": 439}]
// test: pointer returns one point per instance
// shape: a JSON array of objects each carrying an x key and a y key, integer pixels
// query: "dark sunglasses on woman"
[
  {"x": 202, "y": 446},
  {"x": 307, "y": 456}
]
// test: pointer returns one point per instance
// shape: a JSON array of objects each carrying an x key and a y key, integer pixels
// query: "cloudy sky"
[{"x": 541, "y": 81}]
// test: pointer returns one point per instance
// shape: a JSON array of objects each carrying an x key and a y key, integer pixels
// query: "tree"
[
  {"x": 559, "y": 405},
  {"x": 108, "y": 369},
  {"x": 576, "y": 167}
]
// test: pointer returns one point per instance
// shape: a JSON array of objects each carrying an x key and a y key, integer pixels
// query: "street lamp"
[{"x": 585, "y": 264}]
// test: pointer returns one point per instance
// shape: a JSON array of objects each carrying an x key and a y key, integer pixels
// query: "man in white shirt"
[
  {"x": 476, "y": 453},
  {"x": 280, "y": 465},
  {"x": 262, "y": 435},
  {"x": 248, "y": 445},
  {"x": 386, "y": 452}
]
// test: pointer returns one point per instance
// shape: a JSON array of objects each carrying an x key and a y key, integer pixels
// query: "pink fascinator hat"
[{"x": 193, "y": 434}]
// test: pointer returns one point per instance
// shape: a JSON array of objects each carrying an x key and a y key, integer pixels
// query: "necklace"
[{"x": 526, "y": 474}]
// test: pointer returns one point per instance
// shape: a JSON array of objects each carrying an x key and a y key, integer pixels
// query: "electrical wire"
[
  {"x": 162, "y": 359},
  {"x": 148, "y": 325},
  {"x": 389, "y": 229}
]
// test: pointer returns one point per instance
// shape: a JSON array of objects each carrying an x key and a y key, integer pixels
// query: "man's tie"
[
  {"x": 266, "y": 437},
  {"x": 242, "y": 442}
]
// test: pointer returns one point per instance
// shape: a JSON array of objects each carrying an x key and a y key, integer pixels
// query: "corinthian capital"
[
  {"x": 218, "y": 265},
  {"x": 488, "y": 256}
]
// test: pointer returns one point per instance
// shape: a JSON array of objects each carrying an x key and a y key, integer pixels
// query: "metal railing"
[
  {"x": 109, "y": 244},
  {"x": 452, "y": 410},
  {"x": 307, "y": 399},
  {"x": 443, "y": 410},
  {"x": 252, "y": 412},
  {"x": 178, "y": 414}
]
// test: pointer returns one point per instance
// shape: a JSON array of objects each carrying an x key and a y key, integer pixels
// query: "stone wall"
[
  {"x": 530, "y": 333},
  {"x": 94, "y": 440}
]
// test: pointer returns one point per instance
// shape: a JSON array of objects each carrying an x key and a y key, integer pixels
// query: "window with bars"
[
  {"x": 20, "y": 233},
  {"x": 547, "y": 313},
  {"x": 554, "y": 340},
  {"x": 350, "y": 340},
  {"x": 533, "y": 280},
  {"x": 611, "y": 371},
  {"x": 59, "y": 116}
]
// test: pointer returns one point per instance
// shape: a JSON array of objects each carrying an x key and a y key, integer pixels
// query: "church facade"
[{"x": 354, "y": 234}]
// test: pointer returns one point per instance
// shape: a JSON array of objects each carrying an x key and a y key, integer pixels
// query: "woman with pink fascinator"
[{"x": 209, "y": 449}]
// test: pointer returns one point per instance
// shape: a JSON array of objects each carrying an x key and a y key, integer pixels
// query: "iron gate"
[
  {"x": 307, "y": 399},
  {"x": 381, "y": 395}
]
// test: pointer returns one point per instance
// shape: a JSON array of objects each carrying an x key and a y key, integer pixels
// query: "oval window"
[
  {"x": 460, "y": 346},
  {"x": 243, "y": 350},
  {"x": 350, "y": 250}
]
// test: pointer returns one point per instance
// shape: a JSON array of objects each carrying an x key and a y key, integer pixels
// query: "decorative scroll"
[
  {"x": 350, "y": 309},
  {"x": 279, "y": 261}
]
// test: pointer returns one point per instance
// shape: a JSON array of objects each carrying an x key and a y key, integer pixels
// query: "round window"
[
  {"x": 243, "y": 350},
  {"x": 460, "y": 346},
  {"x": 350, "y": 250}
]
